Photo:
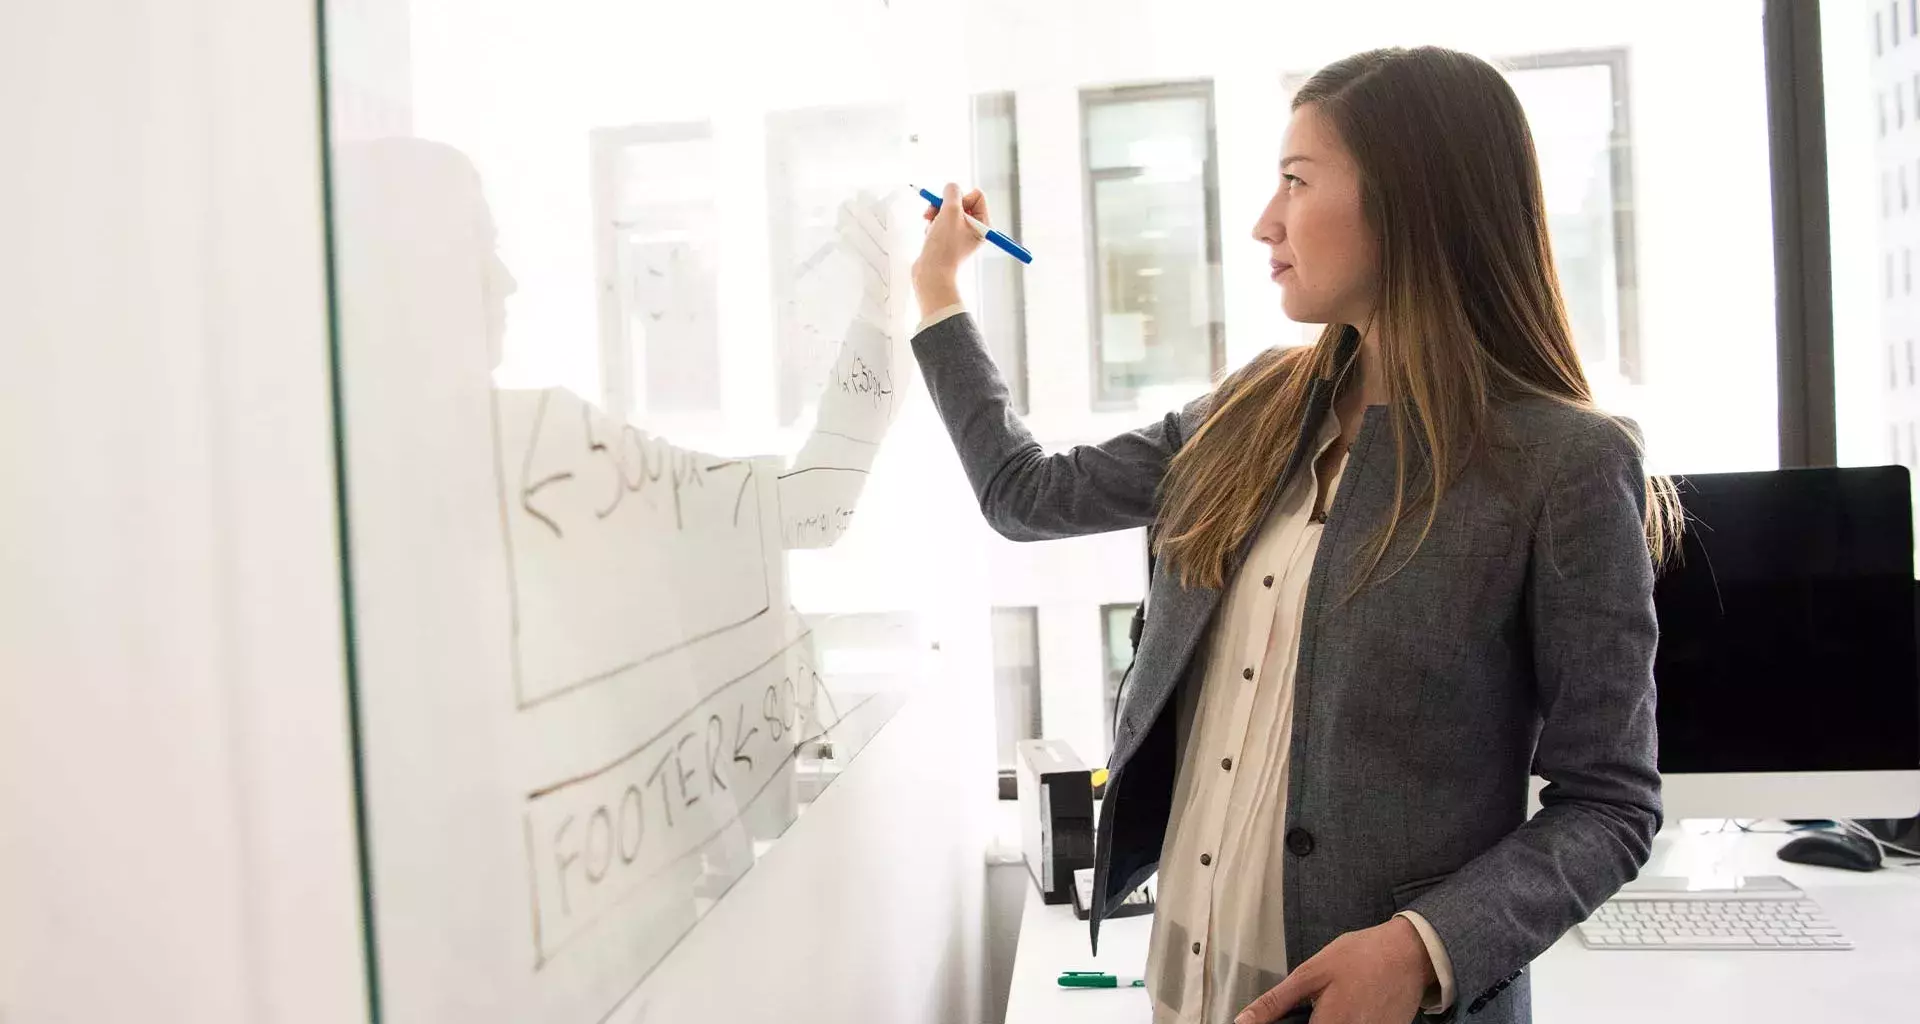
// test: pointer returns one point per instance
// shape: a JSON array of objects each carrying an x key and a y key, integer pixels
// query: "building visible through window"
[{"x": 1155, "y": 226}]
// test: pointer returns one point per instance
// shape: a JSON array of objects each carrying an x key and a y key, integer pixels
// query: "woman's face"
[{"x": 1323, "y": 253}]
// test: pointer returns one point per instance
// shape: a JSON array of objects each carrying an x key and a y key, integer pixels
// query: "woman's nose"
[{"x": 1269, "y": 228}]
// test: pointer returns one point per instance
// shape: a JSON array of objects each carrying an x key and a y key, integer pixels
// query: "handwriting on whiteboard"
[
  {"x": 598, "y": 838},
  {"x": 622, "y": 547}
]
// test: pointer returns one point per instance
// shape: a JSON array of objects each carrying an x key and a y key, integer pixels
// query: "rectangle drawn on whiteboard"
[
  {"x": 623, "y": 548},
  {"x": 598, "y": 838}
]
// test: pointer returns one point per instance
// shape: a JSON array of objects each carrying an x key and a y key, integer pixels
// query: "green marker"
[{"x": 1098, "y": 979}]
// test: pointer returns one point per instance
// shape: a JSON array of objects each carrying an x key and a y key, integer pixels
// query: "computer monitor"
[{"x": 1787, "y": 675}]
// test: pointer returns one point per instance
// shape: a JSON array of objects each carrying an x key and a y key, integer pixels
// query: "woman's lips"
[{"x": 1275, "y": 268}]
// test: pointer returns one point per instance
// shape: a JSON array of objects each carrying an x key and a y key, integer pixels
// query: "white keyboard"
[{"x": 1761, "y": 913}]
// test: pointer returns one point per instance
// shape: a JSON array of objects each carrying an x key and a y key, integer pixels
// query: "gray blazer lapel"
[{"x": 1177, "y": 616}]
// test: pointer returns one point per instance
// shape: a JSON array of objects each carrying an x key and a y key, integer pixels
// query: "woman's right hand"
[{"x": 950, "y": 240}]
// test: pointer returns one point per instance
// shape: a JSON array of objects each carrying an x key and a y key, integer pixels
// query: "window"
[
  {"x": 1016, "y": 687},
  {"x": 657, "y": 246},
  {"x": 1577, "y": 106},
  {"x": 1116, "y": 646},
  {"x": 1876, "y": 409},
  {"x": 811, "y": 156},
  {"x": 1153, "y": 209},
  {"x": 1003, "y": 297}
]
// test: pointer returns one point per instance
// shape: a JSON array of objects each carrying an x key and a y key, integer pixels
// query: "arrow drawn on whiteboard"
[
  {"x": 529, "y": 487},
  {"x": 740, "y": 738}
]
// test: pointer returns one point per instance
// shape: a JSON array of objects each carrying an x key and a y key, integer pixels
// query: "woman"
[{"x": 1400, "y": 569}]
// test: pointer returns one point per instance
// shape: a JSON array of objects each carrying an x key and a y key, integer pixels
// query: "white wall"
[{"x": 173, "y": 746}]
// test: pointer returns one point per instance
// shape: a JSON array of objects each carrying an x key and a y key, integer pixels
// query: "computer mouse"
[{"x": 1833, "y": 850}]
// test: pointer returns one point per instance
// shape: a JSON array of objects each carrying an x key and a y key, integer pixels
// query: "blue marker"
[{"x": 1013, "y": 248}]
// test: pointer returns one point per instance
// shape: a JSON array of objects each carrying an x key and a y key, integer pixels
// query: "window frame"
[
  {"x": 1007, "y": 213},
  {"x": 1008, "y": 777},
  {"x": 620, "y": 363},
  {"x": 1091, "y": 97},
  {"x": 1626, "y": 266}
]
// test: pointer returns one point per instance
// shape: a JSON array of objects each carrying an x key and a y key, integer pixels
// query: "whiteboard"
[{"x": 616, "y": 337}]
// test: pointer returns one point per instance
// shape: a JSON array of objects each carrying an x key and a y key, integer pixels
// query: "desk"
[{"x": 1877, "y": 981}]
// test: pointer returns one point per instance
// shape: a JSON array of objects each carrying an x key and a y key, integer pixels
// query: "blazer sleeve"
[
  {"x": 1589, "y": 604},
  {"x": 1025, "y": 492}
]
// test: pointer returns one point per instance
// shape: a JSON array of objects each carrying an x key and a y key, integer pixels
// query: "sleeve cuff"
[
  {"x": 944, "y": 313},
  {"x": 1439, "y": 996}
]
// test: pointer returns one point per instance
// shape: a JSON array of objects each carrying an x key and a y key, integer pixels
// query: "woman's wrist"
[
  {"x": 1413, "y": 952},
  {"x": 936, "y": 295}
]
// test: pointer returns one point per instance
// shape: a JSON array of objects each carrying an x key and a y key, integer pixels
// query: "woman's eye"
[{"x": 1289, "y": 181}]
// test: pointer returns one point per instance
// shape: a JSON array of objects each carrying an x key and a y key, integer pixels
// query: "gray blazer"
[{"x": 1519, "y": 640}]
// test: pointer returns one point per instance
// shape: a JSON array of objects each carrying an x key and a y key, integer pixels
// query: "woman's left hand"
[{"x": 1376, "y": 976}]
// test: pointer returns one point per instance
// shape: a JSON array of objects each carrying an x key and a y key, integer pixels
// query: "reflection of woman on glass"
[{"x": 1398, "y": 569}]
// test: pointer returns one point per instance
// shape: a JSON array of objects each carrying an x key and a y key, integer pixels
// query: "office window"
[
  {"x": 1116, "y": 646},
  {"x": 1003, "y": 297},
  {"x": 657, "y": 242},
  {"x": 1578, "y": 107},
  {"x": 811, "y": 156},
  {"x": 1016, "y": 686},
  {"x": 1153, "y": 206}
]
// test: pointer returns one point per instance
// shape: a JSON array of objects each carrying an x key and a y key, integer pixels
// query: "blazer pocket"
[{"x": 1406, "y": 892}]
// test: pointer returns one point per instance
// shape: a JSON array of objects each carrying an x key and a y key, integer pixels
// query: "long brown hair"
[{"x": 1469, "y": 310}]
